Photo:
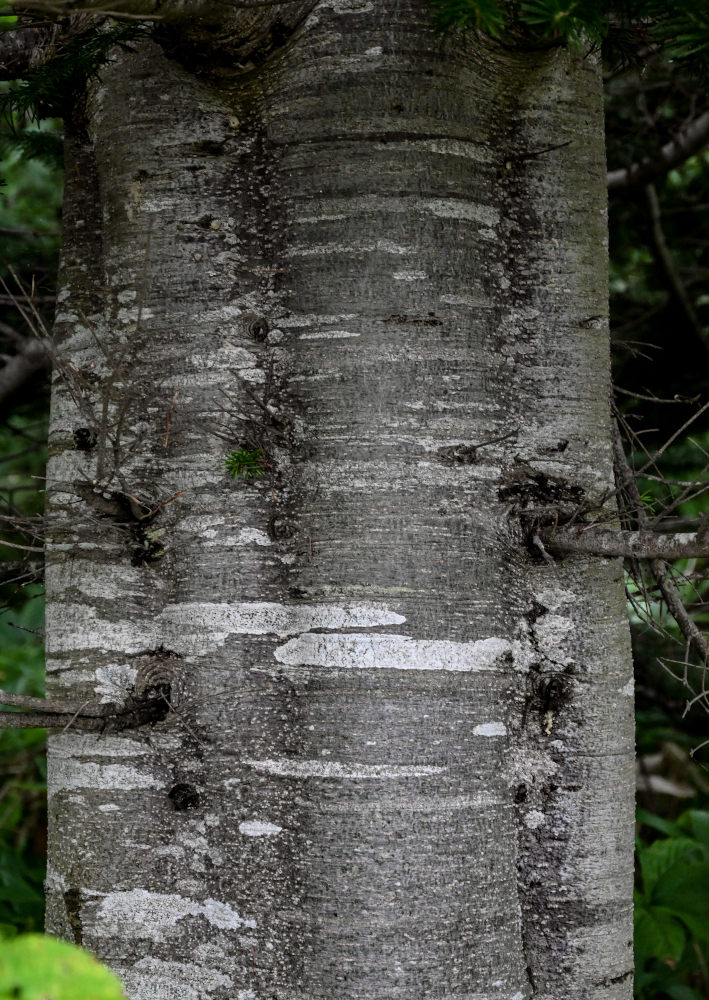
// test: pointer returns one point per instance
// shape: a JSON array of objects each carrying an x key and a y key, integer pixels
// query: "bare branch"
[
  {"x": 680, "y": 614},
  {"x": 24, "y": 50},
  {"x": 687, "y": 142},
  {"x": 32, "y": 356},
  {"x": 39, "y": 720},
  {"x": 28, "y": 47},
  {"x": 627, "y": 482},
  {"x": 92, "y": 716},
  {"x": 644, "y": 544},
  {"x": 54, "y": 706},
  {"x": 668, "y": 264}
]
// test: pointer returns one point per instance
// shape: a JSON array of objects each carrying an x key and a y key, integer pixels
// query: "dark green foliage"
[
  {"x": 47, "y": 147},
  {"x": 30, "y": 222},
  {"x": 22, "y": 759},
  {"x": 30, "y": 205},
  {"x": 489, "y": 16},
  {"x": 55, "y": 88},
  {"x": 672, "y": 907},
  {"x": 625, "y": 27},
  {"x": 247, "y": 464},
  {"x": 22, "y": 774}
]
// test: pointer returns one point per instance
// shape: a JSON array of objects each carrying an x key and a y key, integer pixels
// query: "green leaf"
[
  {"x": 661, "y": 856},
  {"x": 679, "y": 992},
  {"x": 35, "y": 967},
  {"x": 658, "y": 933},
  {"x": 697, "y": 926},
  {"x": 684, "y": 889},
  {"x": 658, "y": 823},
  {"x": 19, "y": 892},
  {"x": 699, "y": 820}
]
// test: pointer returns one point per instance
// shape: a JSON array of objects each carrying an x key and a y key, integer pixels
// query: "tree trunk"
[{"x": 390, "y": 752}]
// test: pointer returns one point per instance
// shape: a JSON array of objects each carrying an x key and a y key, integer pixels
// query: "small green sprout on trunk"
[{"x": 247, "y": 464}]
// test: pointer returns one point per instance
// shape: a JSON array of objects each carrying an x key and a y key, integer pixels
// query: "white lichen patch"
[
  {"x": 227, "y": 356},
  {"x": 334, "y": 769},
  {"x": 319, "y": 250},
  {"x": 253, "y": 536},
  {"x": 67, "y": 775},
  {"x": 195, "y": 628},
  {"x": 461, "y": 208},
  {"x": 315, "y": 319},
  {"x": 409, "y": 275},
  {"x": 218, "y": 621},
  {"x": 490, "y": 729},
  {"x": 534, "y": 818},
  {"x": 54, "y": 881},
  {"x": 153, "y": 977},
  {"x": 464, "y": 300},
  {"x": 529, "y": 767},
  {"x": 206, "y": 377},
  {"x": 134, "y": 314},
  {"x": 392, "y": 652},
  {"x": 210, "y": 953},
  {"x": 96, "y": 579},
  {"x": 553, "y": 598},
  {"x": 188, "y": 972},
  {"x": 138, "y": 913},
  {"x": 169, "y": 850},
  {"x": 63, "y": 316},
  {"x": 201, "y": 523},
  {"x": 551, "y": 632},
  {"x": 343, "y": 7},
  {"x": 114, "y": 681},
  {"x": 258, "y": 828},
  {"x": 72, "y": 627},
  {"x": 453, "y": 147},
  {"x": 72, "y": 745},
  {"x": 328, "y": 335}
]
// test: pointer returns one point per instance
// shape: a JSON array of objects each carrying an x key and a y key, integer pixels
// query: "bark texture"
[{"x": 395, "y": 755}]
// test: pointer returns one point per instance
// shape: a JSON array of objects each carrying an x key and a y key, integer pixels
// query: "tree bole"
[{"x": 341, "y": 264}]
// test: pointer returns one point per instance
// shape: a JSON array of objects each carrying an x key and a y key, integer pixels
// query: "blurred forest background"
[{"x": 659, "y": 240}]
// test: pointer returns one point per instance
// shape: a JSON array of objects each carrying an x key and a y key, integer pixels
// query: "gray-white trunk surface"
[{"x": 393, "y": 749}]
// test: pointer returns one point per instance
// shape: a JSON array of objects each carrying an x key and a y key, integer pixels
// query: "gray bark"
[{"x": 396, "y": 753}]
